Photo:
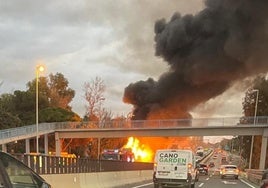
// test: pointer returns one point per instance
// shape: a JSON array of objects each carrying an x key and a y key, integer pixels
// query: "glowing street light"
[{"x": 39, "y": 69}]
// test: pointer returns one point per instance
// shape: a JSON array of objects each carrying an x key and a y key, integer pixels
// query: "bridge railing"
[
  {"x": 200, "y": 122},
  {"x": 43, "y": 128}
]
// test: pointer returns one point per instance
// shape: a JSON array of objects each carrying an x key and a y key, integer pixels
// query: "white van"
[{"x": 174, "y": 168}]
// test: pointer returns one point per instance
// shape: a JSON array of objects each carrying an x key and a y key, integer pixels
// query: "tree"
[
  {"x": 54, "y": 89},
  {"x": 53, "y": 103},
  {"x": 56, "y": 114},
  {"x": 25, "y": 105},
  {"x": 59, "y": 93},
  {"x": 7, "y": 120},
  {"x": 260, "y": 83},
  {"x": 94, "y": 96},
  {"x": 249, "y": 103},
  {"x": 6, "y": 103}
]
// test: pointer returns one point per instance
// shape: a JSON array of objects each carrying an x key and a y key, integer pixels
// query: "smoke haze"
[{"x": 207, "y": 53}]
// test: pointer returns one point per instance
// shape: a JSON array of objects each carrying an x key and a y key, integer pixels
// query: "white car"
[{"x": 229, "y": 171}]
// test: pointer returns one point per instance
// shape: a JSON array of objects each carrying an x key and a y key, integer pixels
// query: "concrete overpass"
[{"x": 231, "y": 126}]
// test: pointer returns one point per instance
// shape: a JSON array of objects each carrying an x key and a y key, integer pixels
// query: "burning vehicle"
[{"x": 122, "y": 154}]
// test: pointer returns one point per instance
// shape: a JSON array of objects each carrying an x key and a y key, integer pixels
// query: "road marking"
[
  {"x": 201, "y": 184},
  {"x": 229, "y": 182},
  {"x": 207, "y": 179},
  {"x": 142, "y": 185},
  {"x": 247, "y": 183}
]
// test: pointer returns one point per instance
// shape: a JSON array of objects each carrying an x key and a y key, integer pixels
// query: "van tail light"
[
  {"x": 189, "y": 165},
  {"x": 155, "y": 166}
]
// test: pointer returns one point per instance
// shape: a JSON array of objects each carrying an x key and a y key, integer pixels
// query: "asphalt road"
[
  {"x": 207, "y": 181},
  {"x": 212, "y": 180}
]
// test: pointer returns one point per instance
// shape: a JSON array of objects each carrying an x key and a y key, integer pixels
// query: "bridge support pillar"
[
  {"x": 263, "y": 152},
  {"x": 58, "y": 144},
  {"x": 27, "y": 146},
  {"x": 46, "y": 143}
]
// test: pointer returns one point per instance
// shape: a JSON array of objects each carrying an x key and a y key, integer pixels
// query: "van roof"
[{"x": 175, "y": 150}]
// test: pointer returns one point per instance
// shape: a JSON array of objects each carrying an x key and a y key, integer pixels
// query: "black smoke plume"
[{"x": 207, "y": 52}]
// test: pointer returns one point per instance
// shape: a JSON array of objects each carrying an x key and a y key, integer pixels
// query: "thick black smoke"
[{"x": 207, "y": 53}]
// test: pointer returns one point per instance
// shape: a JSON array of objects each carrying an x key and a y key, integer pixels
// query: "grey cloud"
[{"x": 54, "y": 29}]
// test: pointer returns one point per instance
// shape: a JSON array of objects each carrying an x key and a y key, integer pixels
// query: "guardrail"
[{"x": 254, "y": 175}]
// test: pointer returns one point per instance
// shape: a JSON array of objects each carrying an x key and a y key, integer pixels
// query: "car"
[
  {"x": 202, "y": 169},
  {"x": 198, "y": 159},
  {"x": 229, "y": 171},
  {"x": 14, "y": 173},
  {"x": 211, "y": 164},
  {"x": 264, "y": 179}
]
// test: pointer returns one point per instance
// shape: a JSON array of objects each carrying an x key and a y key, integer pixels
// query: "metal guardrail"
[
  {"x": 43, "y": 128},
  {"x": 254, "y": 175}
]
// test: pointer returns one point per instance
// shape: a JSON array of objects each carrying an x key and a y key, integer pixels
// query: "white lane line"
[
  {"x": 207, "y": 179},
  {"x": 142, "y": 185},
  {"x": 229, "y": 182},
  {"x": 201, "y": 184},
  {"x": 248, "y": 184}
]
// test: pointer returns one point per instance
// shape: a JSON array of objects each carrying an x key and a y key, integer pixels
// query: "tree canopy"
[
  {"x": 54, "y": 97},
  {"x": 256, "y": 100}
]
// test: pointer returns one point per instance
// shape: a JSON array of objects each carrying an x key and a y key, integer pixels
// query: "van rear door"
[{"x": 172, "y": 164}]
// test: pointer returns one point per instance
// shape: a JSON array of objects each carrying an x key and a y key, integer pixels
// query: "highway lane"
[
  {"x": 213, "y": 179},
  {"x": 206, "y": 181}
]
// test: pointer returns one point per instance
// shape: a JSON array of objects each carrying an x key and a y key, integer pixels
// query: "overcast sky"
[{"x": 82, "y": 39}]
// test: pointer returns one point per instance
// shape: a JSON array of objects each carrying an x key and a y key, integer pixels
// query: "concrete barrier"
[{"x": 97, "y": 180}]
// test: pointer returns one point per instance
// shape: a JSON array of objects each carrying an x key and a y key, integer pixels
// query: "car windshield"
[{"x": 230, "y": 167}]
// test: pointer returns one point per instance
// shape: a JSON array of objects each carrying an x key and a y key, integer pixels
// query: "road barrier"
[
  {"x": 254, "y": 175},
  {"x": 98, "y": 180},
  {"x": 44, "y": 164}
]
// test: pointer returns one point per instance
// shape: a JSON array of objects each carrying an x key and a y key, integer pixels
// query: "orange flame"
[{"x": 142, "y": 152}]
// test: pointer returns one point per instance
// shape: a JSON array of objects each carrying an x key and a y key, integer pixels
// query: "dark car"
[
  {"x": 202, "y": 169},
  {"x": 15, "y": 174},
  {"x": 264, "y": 179},
  {"x": 211, "y": 164}
]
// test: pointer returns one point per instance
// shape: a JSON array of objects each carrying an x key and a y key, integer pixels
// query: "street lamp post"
[
  {"x": 39, "y": 68},
  {"x": 252, "y": 137}
]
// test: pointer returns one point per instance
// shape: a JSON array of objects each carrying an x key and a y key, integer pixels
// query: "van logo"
[{"x": 172, "y": 158}]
